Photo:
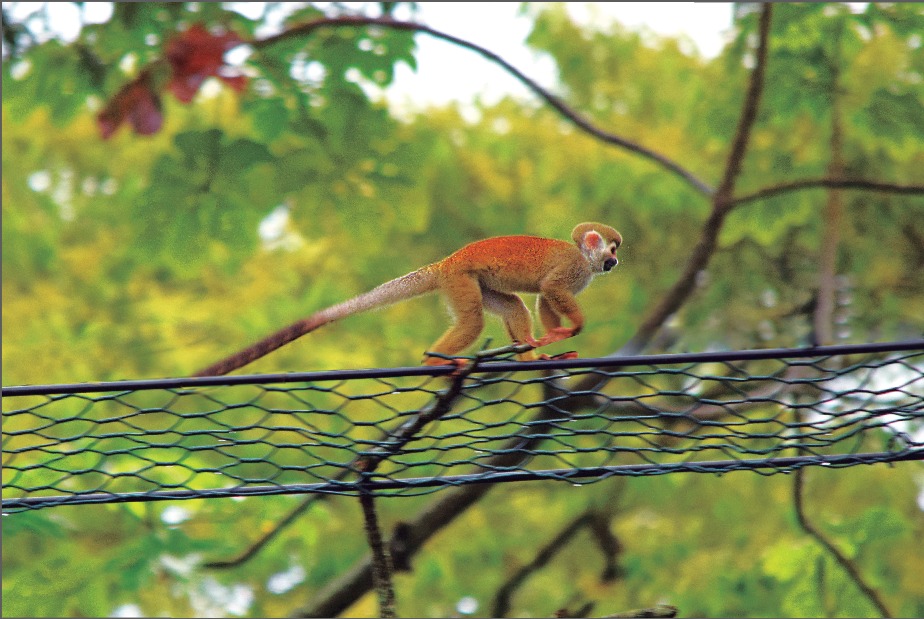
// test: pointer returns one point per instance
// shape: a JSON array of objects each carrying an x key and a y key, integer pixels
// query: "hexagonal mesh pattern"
[{"x": 415, "y": 430}]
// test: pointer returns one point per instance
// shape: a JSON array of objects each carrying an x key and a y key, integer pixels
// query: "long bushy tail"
[{"x": 411, "y": 285}]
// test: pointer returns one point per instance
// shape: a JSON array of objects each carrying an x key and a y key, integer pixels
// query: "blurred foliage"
[{"x": 153, "y": 256}]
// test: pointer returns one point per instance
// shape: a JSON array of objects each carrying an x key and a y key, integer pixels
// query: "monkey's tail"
[{"x": 405, "y": 287}]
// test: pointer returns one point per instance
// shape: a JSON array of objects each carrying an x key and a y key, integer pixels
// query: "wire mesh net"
[{"x": 415, "y": 430}]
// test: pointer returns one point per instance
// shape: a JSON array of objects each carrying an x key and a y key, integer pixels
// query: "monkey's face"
[
  {"x": 610, "y": 260},
  {"x": 598, "y": 243},
  {"x": 601, "y": 251}
]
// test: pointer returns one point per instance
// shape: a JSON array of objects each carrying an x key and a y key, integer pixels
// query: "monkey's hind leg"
[
  {"x": 463, "y": 293},
  {"x": 516, "y": 317}
]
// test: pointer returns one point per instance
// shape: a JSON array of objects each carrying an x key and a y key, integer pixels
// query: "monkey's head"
[{"x": 598, "y": 243}]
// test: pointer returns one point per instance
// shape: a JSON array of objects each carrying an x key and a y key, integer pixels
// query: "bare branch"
[
  {"x": 748, "y": 114},
  {"x": 599, "y": 527},
  {"x": 849, "y": 566},
  {"x": 283, "y": 524},
  {"x": 559, "y": 105},
  {"x": 661, "y": 610},
  {"x": 390, "y": 441},
  {"x": 343, "y": 591},
  {"x": 829, "y": 183},
  {"x": 382, "y": 568},
  {"x": 721, "y": 201}
]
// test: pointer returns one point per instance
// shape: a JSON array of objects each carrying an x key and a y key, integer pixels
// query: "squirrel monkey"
[{"x": 482, "y": 275}]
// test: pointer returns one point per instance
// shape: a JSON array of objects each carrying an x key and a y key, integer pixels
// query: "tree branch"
[
  {"x": 382, "y": 568},
  {"x": 748, "y": 114},
  {"x": 661, "y": 610},
  {"x": 599, "y": 527},
  {"x": 822, "y": 321},
  {"x": 390, "y": 441},
  {"x": 340, "y": 593},
  {"x": 721, "y": 201},
  {"x": 411, "y": 536},
  {"x": 560, "y": 106},
  {"x": 849, "y": 566},
  {"x": 829, "y": 183},
  {"x": 289, "y": 518}
]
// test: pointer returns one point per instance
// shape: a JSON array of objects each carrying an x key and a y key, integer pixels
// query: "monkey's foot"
[
  {"x": 438, "y": 361},
  {"x": 459, "y": 364},
  {"x": 555, "y": 335},
  {"x": 571, "y": 354}
]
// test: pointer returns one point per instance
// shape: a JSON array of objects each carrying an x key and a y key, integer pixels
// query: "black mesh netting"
[{"x": 415, "y": 430}]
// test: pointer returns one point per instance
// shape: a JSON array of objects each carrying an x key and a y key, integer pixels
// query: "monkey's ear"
[{"x": 593, "y": 240}]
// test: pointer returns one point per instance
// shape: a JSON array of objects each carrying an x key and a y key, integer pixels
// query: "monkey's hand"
[{"x": 555, "y": 335}]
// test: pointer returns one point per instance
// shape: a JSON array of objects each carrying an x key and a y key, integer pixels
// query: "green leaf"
[
  {"x": 788, "y": 560},
  {"x": 271, "y": 117}
]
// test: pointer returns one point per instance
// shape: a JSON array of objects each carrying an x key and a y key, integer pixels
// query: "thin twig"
[
  {"x": 590, "y": 519},
  {"x": 661, "y": 610},
  {"x": 261, "y": 543},
  {"x": 849, "y": 566},
  {"x": 829, "y": 183},
  {"x": 749, "y": 109}
]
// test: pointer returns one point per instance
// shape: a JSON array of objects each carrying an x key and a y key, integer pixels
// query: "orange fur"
[
  {"x": 487, "y": 275},
  {"x": 483, "y": 275}
]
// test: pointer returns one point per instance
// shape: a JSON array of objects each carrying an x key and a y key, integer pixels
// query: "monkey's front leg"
[{"x": 555, "y": 302}]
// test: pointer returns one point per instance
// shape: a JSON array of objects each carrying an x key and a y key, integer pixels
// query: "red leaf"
[
  {"x": 193, "y": 55},
  {"x": 145, "y": 116},
  {"x": 196, "y": 54},
  {"x": 237, "y": 82},
  {"x": 137, "y": 103}
]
